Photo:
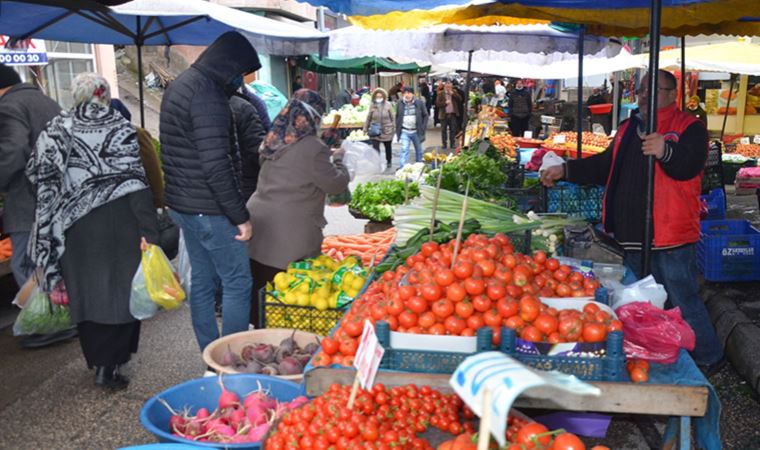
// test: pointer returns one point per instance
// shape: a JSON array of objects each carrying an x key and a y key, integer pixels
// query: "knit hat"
[{"x": 8, "y": 76}]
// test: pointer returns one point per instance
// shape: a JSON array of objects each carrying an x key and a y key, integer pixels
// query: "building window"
[{"x": 58, "y": 75}]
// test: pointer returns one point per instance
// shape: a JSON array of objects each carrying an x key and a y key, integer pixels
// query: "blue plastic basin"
[{"x": 204, "y": 393}]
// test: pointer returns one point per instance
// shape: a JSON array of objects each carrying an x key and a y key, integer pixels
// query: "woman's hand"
[{"x": 143, "y": 244}]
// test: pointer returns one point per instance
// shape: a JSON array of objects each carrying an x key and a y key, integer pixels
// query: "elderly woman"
[
  {"x": 93, "y": 208},
  {"x": 287, "y": 209}
]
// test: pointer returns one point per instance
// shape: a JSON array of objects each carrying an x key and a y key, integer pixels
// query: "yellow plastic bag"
[{"x": 162, "y": 285}]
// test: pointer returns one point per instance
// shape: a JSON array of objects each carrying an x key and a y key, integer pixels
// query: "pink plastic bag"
[{"x": 654, "y": 334}]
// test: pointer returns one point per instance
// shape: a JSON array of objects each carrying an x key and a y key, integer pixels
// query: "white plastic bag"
[
  {"x": 644, "y": 290},
  {"x": 550, "y": 160},
  {"x": 140, "y": 304},
  {"x": 184, "y": 270},
  {"x": 361, "y": 159}
]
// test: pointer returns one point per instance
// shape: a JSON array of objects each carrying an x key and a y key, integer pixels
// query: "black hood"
[{"x": 229, "y": 56}]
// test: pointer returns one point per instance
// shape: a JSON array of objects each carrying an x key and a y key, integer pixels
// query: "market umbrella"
[{"x": 157, "y": 22}]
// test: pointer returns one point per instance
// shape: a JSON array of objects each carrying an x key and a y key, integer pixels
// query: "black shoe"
[
  {"x": 712, "y": 369},
  {"x": 110, "y": 378}
]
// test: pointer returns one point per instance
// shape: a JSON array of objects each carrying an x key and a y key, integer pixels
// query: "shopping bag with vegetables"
[
  {"x": 160, "y": 281},
  {"x": 40, "y": 315}
]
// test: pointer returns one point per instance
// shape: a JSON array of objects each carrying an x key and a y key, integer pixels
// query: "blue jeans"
[
  {"x": 216, "y": 259},
  {"x": 677, "y": 270},
  {"x": 21, "y": 265},
  {"x": 408, "y": 137}
]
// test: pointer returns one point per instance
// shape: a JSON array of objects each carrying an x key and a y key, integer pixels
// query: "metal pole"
[
  {"x": 466, "y": 98},
  {"x": 654, "y": 64},
  {"x": 615, "y": 101},
  {"x": 140, "y": 72},
  {"x": 725, "y": 114},
  {"x": 581, "y": 38},
  {"x": 683, "y": 73}
]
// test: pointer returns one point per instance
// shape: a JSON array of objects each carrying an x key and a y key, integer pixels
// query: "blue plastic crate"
[
  {"x": 716, "y": 204},
  {"x": 729, "y": 250},
  {"x": 584, "y": 202}
]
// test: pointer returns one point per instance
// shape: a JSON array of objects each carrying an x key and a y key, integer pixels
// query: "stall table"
[{"x": 681, "y": 400}]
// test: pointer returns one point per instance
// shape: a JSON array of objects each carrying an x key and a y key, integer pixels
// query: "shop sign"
[{"x": 27, "y": 52}]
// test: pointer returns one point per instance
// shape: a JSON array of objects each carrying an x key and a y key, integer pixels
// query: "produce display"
[
  {"x": 505, "y": 144},
  {"x": 399, "y": 418},
  {"x": 6, "y": 249},
  {"x": 288, "y": 358},
  {"x": 377, "y": 201},
  {"x": 733, "y": 158},
  {"x": 638, "y": 369},
  {"x": 489, "y": 284},
  {"x": 430, "y": 157},
  {"x": 748, "y": 150},
  {"x": 321, "y": 282},
  {"x": 365, "y": 246},
  {"x": 234, "y": 421},
  {"x": 484, "y": 171},
  {"x": 413, "y": 172},
  {"x": 357, "y": 135},
  {"x": 349, "y": 115},
  {"x": 591, "y": 142}
]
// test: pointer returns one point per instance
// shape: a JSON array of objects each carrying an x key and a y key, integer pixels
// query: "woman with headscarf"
[
  {"x": 93, "y": 208},
  {"x": 287, "y": 209},
  {"x": 381, "y": 120}
]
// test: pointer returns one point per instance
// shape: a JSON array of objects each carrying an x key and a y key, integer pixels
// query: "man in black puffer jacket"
[
  {"x": 249, "y": 133},
  {"x": 202, "y": 175}
]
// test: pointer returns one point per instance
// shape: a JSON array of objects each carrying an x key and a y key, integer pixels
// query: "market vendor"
[
  {"x": 520, "y": 109},
  {"x": 287, "y": 209},
  {"x": 680, "y": 147},
  {"x": 695, "y": 109}
]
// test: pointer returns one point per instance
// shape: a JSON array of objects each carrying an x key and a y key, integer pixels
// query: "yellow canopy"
[
  {"x": 732, "y": 57},
  {"x": 718, "y": 17}
]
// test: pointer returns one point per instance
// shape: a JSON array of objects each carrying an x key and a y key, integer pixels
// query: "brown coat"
[
  {"x": 440, "y": 103},
  {"x": 382, "y": 114},
  {"x": 287, "y": 209},
  {"x": 153, "y": 173}
]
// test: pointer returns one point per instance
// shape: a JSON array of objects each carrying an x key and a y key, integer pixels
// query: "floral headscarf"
[{"x": 301, "y": 117}]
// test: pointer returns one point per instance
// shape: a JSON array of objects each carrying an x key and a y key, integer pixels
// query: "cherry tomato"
[
  {"x": 464, "y": 309},
  {"x": 528, "y": 432},
  {"x": 444, "y": 277},
  {"x": 463, "y": 270},
  {"x": 568, "y": 441}
]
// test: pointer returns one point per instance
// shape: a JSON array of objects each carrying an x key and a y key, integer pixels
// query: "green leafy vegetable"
[
  {"x": 486, "y": 172},
  {"x": 377, "y": 201}
]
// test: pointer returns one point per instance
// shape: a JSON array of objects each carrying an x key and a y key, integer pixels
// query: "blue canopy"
[{"x": 370, "y": 7}]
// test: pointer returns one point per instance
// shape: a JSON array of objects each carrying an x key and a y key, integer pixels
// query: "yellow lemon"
[
  {"x": 302, "y": 299},
  {"x": 358, "y": 283},
  {"x": 321, "y": 304},
  {"x": 304, "y": 287},
  {"x": 290, "y": 298}
]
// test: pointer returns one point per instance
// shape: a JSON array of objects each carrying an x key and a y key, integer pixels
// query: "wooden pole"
[
  {"x": 458, "y": 242},
  {"x": 484, "y": 432},
  {"x": 435, "y": 203}
]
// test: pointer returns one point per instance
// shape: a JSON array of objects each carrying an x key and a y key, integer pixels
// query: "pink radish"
[
  {"x": 177, "y": 424},
  {"x": 227, "y": 399},
  {"x": 258, "y": 433},
  {"x": 237, "y": 418},
  {"x": 298, "y": 401},
  {"x": 257, "y": 415},
  {"x": 202, "y": 414}
]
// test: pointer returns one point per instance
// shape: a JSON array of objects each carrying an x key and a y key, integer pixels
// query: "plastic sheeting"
[
  {"x": 161, "y": 22},
  {"x": 731, "y": 57}
]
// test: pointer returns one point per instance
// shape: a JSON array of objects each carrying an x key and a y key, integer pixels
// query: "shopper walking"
[
  {"x": 449, "y": 105},
  {"x": 287, "y": 209},
  {"x": 93, "y": 208},
  {"x": 202, "y": 173},
  {"x": 411, "y": 125},
  {"x": 380, "y": 125},
  {"x": 24, "y": 113},
  {"x": 680, "y": 148},
  {"x": 520, "y": 109}
]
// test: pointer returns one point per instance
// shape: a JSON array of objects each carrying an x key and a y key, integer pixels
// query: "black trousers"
[
  {"x": 388, "y": 151},
  {"x": 518, "y": 125},
  {"x": 262, "y": 274},
  {"x": 108, "y": 345},
  {"x": 449, "y": 130}
]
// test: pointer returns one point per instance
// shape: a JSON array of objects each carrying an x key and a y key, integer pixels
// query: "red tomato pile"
[
  {"x": 393, "y": 419},
  {"x": 490, "y": 285},
  {"x": 638, "y": 369}
]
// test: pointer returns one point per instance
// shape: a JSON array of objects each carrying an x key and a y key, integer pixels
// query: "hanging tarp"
[
  {"x": 369, "y": 7},
  {"x": 730, "y": 57},
  {"x": 161, "y": 22},
  {"x": 605, "y": 18},
  {"x": 357, "y": 66}
]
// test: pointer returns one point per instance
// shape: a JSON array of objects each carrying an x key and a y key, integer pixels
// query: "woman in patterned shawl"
[{"x": 93, "y": 208}]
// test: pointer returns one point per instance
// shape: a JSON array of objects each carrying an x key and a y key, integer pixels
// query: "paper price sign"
[
  {"x": 744, "y": 141},
  {"x": 756, "y": 139},
  {"x": 368, "y": 356},
  {"x": 500, "y": 379},
  {"x": 560, "y": 139}
]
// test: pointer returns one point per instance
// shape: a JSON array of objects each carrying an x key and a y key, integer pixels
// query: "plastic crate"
[
  {"x": 584, "y": 202},
  {"x": 716, "y": 204},
  {"x": 526, "y": 199},
  {"x": 610, "y": 367},
  {"x": 275, "y": 314},
  {"x": 729, "y": 250}
]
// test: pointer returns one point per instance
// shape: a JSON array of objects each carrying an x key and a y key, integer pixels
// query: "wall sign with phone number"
[{"x": 23, "y": 58}]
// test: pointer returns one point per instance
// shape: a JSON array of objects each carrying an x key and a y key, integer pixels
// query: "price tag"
[
  {"x": 368, "y": 356},
  {"x": 744, "y": 141},
  {"x": 501, "y": 379},
  {"x": 560, "y": 139},
  {"x": 528, "y": 135},
  {"x": 756, "y": 139}
]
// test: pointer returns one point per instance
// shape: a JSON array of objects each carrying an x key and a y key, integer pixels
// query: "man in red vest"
[{"x": 680, "y": 148}]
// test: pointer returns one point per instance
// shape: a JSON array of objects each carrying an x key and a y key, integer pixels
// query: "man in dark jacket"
[
  {"x": 202, "y": 175},
  {"x": 520, "y": 108},
  {"x": 24, "y": 113},
  {"x": 449, "y": 107},
  {"x": 343, "y": 98},
  {"x": 411, "y": 124},
  {"x": 249, "y": 132},
  {"x": 680, "y": 148},
  {"x": 259, "y": 104}
]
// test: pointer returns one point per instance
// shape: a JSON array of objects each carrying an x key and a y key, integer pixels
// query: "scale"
[{"x": 550, "y": 124}]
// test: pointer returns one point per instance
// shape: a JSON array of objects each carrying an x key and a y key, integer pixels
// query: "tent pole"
[
  {"x": 140, "y": 72},
  {"x": 615, "y": 101},
  {"x": 581, "y": 38},
  {"x": 653, "y": 86},
  {"x": 466, "y": 98},
  {"x": 683, "y": 73},
  {"x": 728, "y": 104}
]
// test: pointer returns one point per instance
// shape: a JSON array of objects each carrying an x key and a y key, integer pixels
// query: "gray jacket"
[
  {"x": 287, "y": 209},
  {"x": 382, "y": 114},
  {"x": 422, "y": 117},
  {"x": 24, "y": 114}
]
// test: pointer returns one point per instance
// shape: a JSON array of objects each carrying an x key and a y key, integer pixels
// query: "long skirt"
[
  {"x": 108, "y": 345},
  {"x": 262, "y": 274}
]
